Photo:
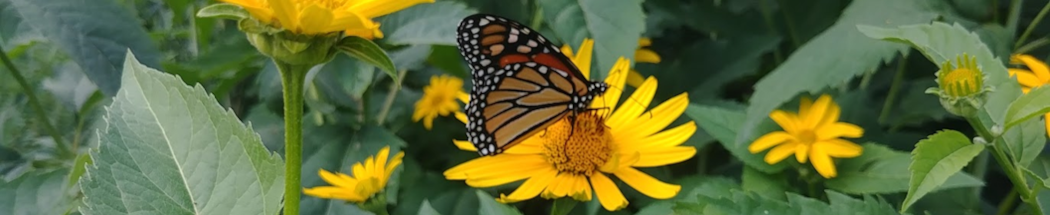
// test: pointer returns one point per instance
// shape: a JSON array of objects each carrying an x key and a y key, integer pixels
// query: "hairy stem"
[{"x": 292, "y": 78}]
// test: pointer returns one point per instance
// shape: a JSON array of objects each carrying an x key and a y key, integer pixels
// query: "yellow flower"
[
  {"x": 641, "y": 55},
  {"x": 609, "y": 141},
  {"x": 354, "y": 17},
  {"x": 439, "y": 98},
  {"x": 369, "y": 178},
  {"x": 1039, "y": 75},
  {"x": 813, "y": 134}
]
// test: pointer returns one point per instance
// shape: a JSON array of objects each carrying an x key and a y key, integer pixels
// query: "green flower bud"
[
  {"x": 961, "y": 86},
  {"x": 290, "y": 48}
]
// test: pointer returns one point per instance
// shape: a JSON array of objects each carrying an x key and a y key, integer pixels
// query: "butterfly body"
[{"x": 521, "y": 82}]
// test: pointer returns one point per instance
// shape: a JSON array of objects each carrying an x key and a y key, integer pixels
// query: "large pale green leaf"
[
  {"x": 37, "y": 192},
  {"x": 834, "y": 56},
  {"x": 96, "y": 34},
  {"x": 615, "y": 27},
  {"x": 433, "y": 23},
  {"x": 1025, "y": 141},
  {"x": 935, "y": 159},
  {"x": 488, "y": 205},
  {"x": 881, "y": 170},
  {"x": 168, "y": 148},
  {"x": 722, "y": 124},
  {"x": 1028, "y": 106}
]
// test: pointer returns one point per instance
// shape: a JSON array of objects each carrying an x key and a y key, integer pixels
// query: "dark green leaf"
[
  {"x": 1025, "y": 141},
  {"x": 426, "y": 209},
  {"x": 37, "y": 192},
  {"x": 224, "y": 11},
  {"x": 722, "y": 124},
  {"x": 935, "y": 159},
  {"x": 1028, "y": 106},
  {"x": 433, "y": 23},
  {"x": 369, "y": 52},
  {"x": 490, "y": 206},
  {"x": 813, "y": 67},
  {"x": 96, "y": 34},
  {"x": 615, "y": 27},
  {"x": 881, "y": 170},
  {"x": 330, "y": 148},
  {"x": 771, "y": 186},
  {"x": 161, "y": 139}
]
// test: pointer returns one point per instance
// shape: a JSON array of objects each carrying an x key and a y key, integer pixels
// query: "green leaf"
[
  {"x": 167, "y": 148},
  {"x": 224, "y": 11},
  {"x": 881, "y": 170},
  {"x": 488, "y": 205},
  {"x": 769, "y": 185},
  {"x": 426, "y": 209},
  {"x": 615, "y": 27},
  {"x": 433, "y": 23},
  {"x": 79, "y": 167},
  {"x": 935, "y": 159},
  {"x": 1028, "y": 106},
  {"x": 844, "y": 204},
  {"x": 95, "y": 34},
  {"x": 36, "y": 192},
  {"x": 369, "y": 52},
  {"x": 813, "y": 67},
  {"x": 1025, "y": 141},
  {"x": 722, "y": 123},
  {"x": 349, "y": 74}
]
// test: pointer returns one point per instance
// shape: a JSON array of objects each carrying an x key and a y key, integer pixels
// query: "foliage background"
[{"x": 737, "y": 60}]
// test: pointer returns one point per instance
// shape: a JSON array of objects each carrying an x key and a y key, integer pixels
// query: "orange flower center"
[
  {"x": 807, "y": 136},
  {"x": 579, "y": 147},
  {"x": 962, "y": 82}
]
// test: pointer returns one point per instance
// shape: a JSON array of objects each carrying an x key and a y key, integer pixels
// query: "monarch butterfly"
[{"x": 522, "y": 82}]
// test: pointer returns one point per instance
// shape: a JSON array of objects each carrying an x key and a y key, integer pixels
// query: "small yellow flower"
[
  {"x": 1038, "y": 76},
  {"x": 642, "y": 55},
  {"x": 960, "y": 86},
  {"x": 369, "y": 178},
  {"x": 310, "y": 17},
  {"x": 813, "y": 134},
  {"x": 439, "y": 98},
  {"x": 555, "y": 164}
]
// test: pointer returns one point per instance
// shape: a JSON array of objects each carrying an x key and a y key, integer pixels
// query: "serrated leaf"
[
  {"x": 167, "y": 148},
  {"x": 427, "y": 24},
  {"x": 223, "y": 10},
  {"x": 1028, "y": 106},
  {"x": 722, "y": 124},
  {"x": 935, "y": 159},
  {"x": 844, "y": 204},
  {"x": 95, "y": 34},
  {"x": 1025, "y": 141},
  {"x": 488, "y": 205},
  {"x": 369, "y": 52},
  {"x": 426, "y": 209},
  {"x": 769, "y": 185},
  {"x": 881, "y": 170},
  {"x": 813, "y": 67},
  {"x": 36, "y": 192},
  {"x": 615, "y": 27}
]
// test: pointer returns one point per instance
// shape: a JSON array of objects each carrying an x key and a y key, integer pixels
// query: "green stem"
[
  {"x": 980, "y": 168},
  {"x": 1032, "y": 45},
  {"x": 1031, "y": 26},
  {"x": 1015, "y": 14},
  {"x": 894, "y": 90},
  {"x": 33, "y": 101},
  {"x": 390, "y": 96},
  {"x": 292, "y": 78},
  {"x": 1008, "y": 202},
  {"x": 1008, "y": 166},
  {"x": 563, "y": 206}
]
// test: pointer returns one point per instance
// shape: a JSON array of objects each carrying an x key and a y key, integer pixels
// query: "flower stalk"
[
  {"x": 37, "y": 108},
  {"x": 292, "y": 78}
]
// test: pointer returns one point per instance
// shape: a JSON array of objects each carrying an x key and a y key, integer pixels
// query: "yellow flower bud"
[{"x": 960, "y": 86}]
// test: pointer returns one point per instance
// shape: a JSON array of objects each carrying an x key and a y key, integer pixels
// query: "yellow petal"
[
  {"x": 608, "y": 194},
  {"x": 839, "y": 129},
  {"x": 504, "y": 167},
  {"x": 428, "y": 121},
  {"x": 583, "y": 58},
  {"x": 464, "y": 145},
  {"x": 561, "y": 186},
  {"x": 646, "y": 184},
  {"x": 840, "y": 148},
  {"x": 616, "y": 79},
  {"x": 1025, "y": 77},
  {"x": 376, "y": 8},
  {"x": 344, "y": 21},
  {"x": 635, "y": 79},
  {"x": 780, "y": 152},
  {"x": 816, "y": 112},
  {"x": 567, "y": 51},
  {"x": 482, "y": 164},
  {"x": 634, "y": 105},
  {"x": 831, "y": 115},
  {"x": 660, "y": 117},
  {"x": 381, "y": 159},
  {"x": 1046, "y": 119},
  {"x": 769, "y": 140},
  {"x": 823, "y": 163},
  {"x": 1039, "y": 68},
  {"x": 336, "y": 180},
  {"x": 664, "y": 156},
  {"x": 801, "y": 151},
  {"x": 667, "y": 138},
  {"x": 314, "y": 19},
  {"x": 463, "y": 97},
  {"x": 788, "y": 121},
  {"x": 508, "y": 177},
  {"x": 646, "y": 56},
  {"x": 644, "y": 41},
  {"x": 287, "y": 13},
  {"x": 531, "y": 187},
  {"x": 580, "y": 190},
  {"x": 803, "y": 106},
  {"x": 334, "y": 193},
  {"x": 531, "y": 145}
]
